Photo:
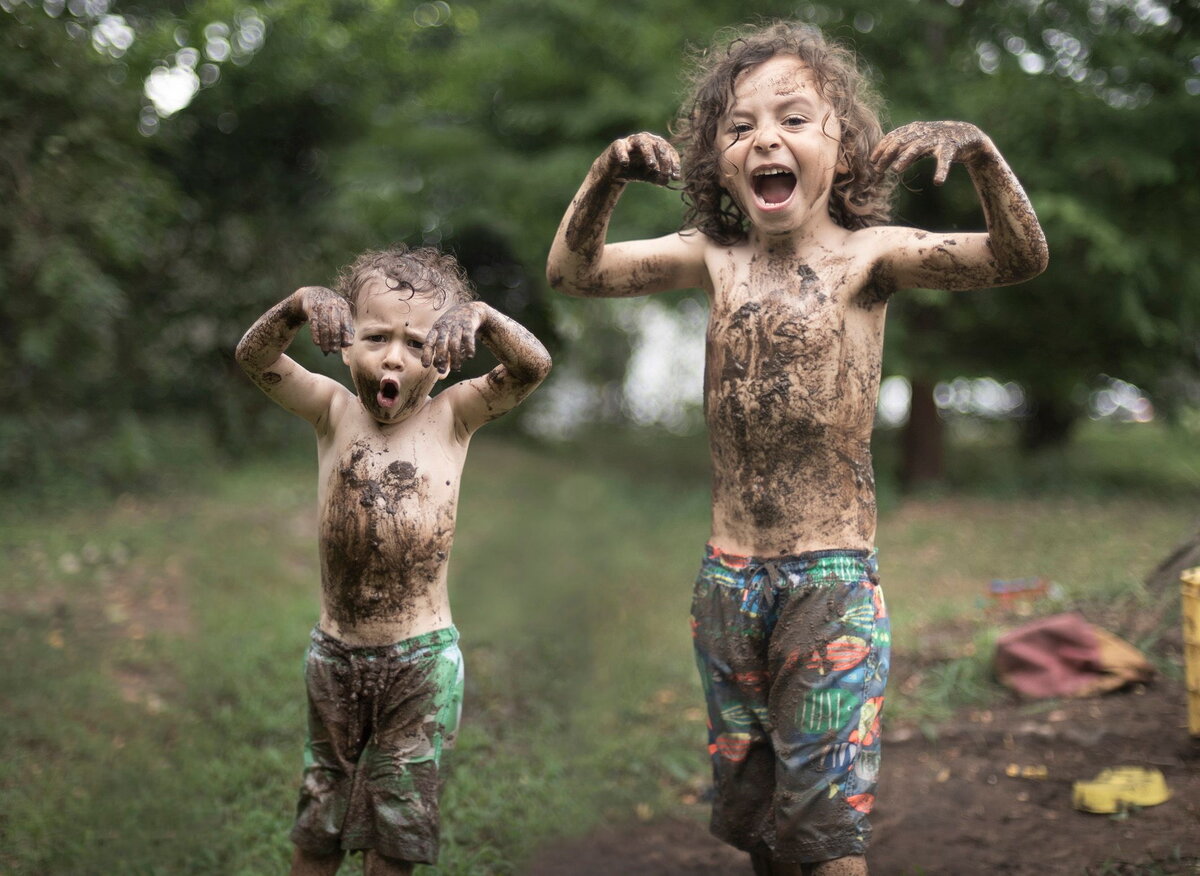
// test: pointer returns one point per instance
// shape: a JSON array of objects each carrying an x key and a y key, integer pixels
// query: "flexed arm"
[
  {"x": 524, "y": 361},
  {"x": 261, "y": 350},
  {"x": 580, "y": 262},
  {"x": 1014, "y": 247}
]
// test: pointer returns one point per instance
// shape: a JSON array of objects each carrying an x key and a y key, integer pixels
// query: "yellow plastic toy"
[{"x": 1117, "y": 789}]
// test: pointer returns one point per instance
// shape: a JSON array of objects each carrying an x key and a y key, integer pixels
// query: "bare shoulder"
[
  {"x": 463, "y": 407},
  {"x": 341, "y": 404},
  {"x": 880, "y": 240},
  {"x": 899, "y": 257}
]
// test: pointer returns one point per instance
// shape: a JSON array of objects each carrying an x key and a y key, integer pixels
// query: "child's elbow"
[
  {"x": 558, "y": 282},
  {"x": 1035, "y": 262},
  {"x": 1042, "y": 259},
  {"x": 1026, "y": 263},
  {"x": 539, "y": 366},
  {"x": 243, "y": 354}
]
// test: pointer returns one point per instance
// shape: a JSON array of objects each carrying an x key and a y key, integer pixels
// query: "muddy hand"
[
  {"x": 451, "y": 341},
  {"x": 329, "y": 318},
  {"x": 946, "y": 142},
  {"x": 643, "y": 158}
]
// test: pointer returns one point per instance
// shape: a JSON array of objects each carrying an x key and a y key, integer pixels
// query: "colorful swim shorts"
[
  {"x": 793, "y": 654},
  {"x": 378, "y": 721}
]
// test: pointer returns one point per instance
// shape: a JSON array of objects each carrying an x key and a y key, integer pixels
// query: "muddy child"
[
  {"x": 384, "y": 673},
  {"x": 787, "y": 179}
]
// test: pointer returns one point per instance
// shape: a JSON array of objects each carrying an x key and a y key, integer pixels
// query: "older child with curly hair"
[{"x": 785, "y": 182}]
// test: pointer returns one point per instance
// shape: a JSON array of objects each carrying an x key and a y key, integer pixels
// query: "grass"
[{"x": 151, "y": 646}]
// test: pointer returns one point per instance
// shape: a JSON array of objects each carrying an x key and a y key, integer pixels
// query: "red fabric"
[{"x": 1057, "y": 656}]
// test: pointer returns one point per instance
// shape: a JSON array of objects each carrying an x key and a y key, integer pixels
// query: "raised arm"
[
  {"x": 524, "y": 362},
  {"x": 260, "y": 352},
  {"x": 583, "y": 265},
  {"x": 1012, "y": 250}
]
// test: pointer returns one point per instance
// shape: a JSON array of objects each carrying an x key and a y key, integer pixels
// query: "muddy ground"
[{"x": 950, "y": 806}]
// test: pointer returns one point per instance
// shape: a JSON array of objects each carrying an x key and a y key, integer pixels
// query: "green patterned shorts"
[{"x": 378, "y": 721}]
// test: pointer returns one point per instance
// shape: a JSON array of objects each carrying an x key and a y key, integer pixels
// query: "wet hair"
[
  {"x": 424, "y": 271},
  {"x": 860, "y": 197}
]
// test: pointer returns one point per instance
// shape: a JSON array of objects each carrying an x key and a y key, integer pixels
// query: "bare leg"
[
  {"x": 307, "y": 864},
  {"x": 375, "y": 864},
  {"x": 853, "y": 865}
]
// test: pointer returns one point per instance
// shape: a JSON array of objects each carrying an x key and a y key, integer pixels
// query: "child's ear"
[{"x": 345, "y": 357}]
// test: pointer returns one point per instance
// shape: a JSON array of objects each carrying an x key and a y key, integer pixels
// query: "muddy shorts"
[
  {"x": 793, "y": 655},
  {"x": 378, "y": 721}
]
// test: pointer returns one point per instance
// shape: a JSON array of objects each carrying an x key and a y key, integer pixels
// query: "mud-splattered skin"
[
  {"x": 389, "y": 455},
  {"x": 386, "y": 529},
  {"x": 1015, "y": 245},
  {"x": 791, "y": 378},
  {"x": 574, "y": 260},
  {"x": 795, "y": 332}
]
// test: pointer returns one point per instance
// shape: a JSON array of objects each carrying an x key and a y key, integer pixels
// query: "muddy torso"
[
  {"x": 387, "y": 501},
  {"x": 791, "y": 379}
]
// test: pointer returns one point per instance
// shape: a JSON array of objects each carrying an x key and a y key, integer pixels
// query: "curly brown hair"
[
  {"x": 860, "y": 197},
  {"x": 423, "y": 271}
]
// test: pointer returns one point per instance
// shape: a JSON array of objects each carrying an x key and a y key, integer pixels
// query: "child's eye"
[
  {"x": 795, "y": 121},
  {"x": 739, "y": 128},
  {"x": 415, "y": 344},
  {"x": 375, "y": 339}
]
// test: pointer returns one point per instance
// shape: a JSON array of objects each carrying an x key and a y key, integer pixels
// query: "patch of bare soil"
[{"x": 960, "y": 804}]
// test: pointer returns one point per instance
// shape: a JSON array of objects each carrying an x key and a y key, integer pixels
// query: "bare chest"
[
  {"x": 387, "y": 514},
  {"x": 792, "y": 342},
  {"x": 394, "y": 472}
]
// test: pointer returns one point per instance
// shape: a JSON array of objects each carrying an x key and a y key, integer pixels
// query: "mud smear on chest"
[
  {"x": 382, "y": 545},
  {"x": 790, "y": 400}
]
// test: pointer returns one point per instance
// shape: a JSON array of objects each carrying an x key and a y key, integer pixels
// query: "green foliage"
[
  {"x": 1120, "y": 296},
  {"x": 130, "y": 262}
]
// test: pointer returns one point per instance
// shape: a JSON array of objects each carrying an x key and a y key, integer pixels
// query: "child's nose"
[
  {"x": 765, "y": 139},
  {"x": 393, "y": 358}
]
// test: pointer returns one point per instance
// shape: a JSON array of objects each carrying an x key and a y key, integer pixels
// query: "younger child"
[
  {"x": 384, "y": 671},
  {"x": 784, "y": 181}
]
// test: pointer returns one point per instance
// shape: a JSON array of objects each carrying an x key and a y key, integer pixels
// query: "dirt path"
[{"x": 949, "y": 806}]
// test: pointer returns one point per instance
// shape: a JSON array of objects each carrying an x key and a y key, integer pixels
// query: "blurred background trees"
[{"x": 168, "y": 170}]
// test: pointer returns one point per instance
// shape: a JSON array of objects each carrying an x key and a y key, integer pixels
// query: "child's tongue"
[{"x": 777, "y": 188}]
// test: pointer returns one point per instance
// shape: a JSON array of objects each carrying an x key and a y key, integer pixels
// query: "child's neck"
[{"x": 821, "y": 233}]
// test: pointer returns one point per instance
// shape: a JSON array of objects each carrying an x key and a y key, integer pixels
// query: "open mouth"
[
  {"x": 773, "y": 185},
  {"x": 389, "y": 392}
]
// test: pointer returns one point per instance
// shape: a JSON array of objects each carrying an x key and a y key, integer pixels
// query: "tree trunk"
[
  {"x": 1048, "y": 425},
  {"x": 923, "y": 460}
]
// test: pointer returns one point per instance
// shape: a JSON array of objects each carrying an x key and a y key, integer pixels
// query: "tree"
[
  {"x": 320, "y": 127},
  {"x": 1069, "y": 91}
]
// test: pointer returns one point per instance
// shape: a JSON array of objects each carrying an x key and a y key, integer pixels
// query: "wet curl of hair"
[
  {"x": 423, "y": 271},
  {"x": 860, "y": 197}
]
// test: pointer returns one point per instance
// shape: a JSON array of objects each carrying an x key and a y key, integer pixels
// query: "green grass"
[{"x": 151, "y": 646}]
